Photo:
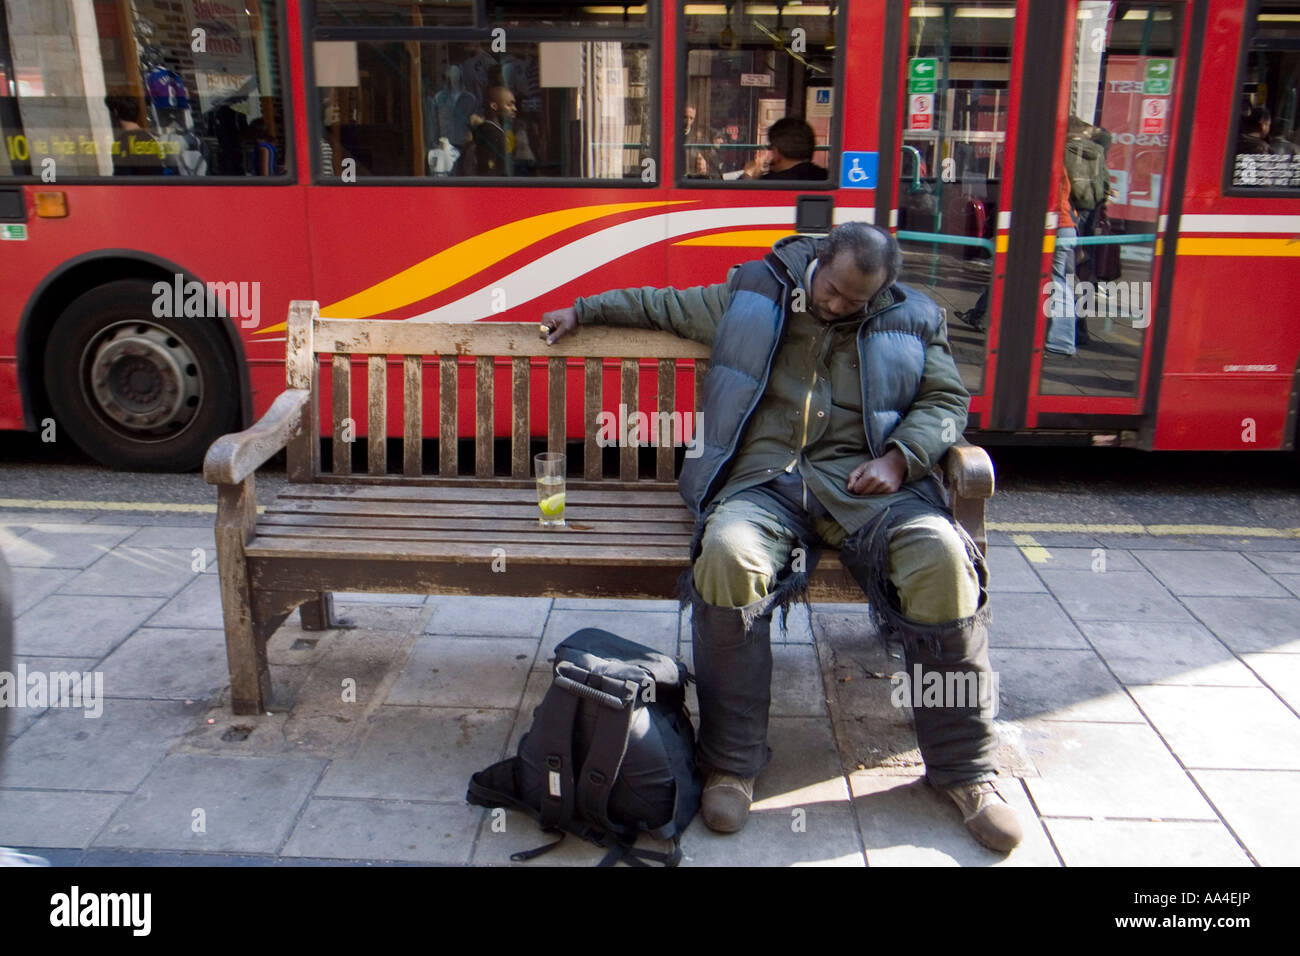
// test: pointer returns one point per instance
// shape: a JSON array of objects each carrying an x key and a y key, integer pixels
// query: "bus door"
[
  {"x": 954, "y": 153},
  {"x": 1108, "y": 205}
]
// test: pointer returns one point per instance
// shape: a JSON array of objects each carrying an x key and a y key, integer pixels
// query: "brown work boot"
[
  {"x": 987, "y": 814},
  {"x": 726, "y": 800}
]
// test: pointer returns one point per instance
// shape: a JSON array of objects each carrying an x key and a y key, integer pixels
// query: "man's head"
[
  {"x": 791, "y": 141},
  {"x": 501, "y": 102},
  {"x": 854, "y": 263}
]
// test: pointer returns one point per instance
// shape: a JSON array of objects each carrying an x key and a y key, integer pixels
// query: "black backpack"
[{"x": 611, "y": 752}]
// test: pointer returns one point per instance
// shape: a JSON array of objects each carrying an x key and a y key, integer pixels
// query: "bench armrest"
[
  {"x": 234, "y": 457},
  {"x": 968, "y": 471}
]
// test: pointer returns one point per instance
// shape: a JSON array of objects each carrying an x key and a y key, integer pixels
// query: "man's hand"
[
  {"x": 558, "y": 323},
  {"x": 880, "y": 476}
]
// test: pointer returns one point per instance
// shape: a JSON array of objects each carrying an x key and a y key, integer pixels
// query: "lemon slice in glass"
[{"x": 552, "y": 506}]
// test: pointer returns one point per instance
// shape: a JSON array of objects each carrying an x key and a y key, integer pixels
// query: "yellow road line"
[{"x": 1031, "y": 549}]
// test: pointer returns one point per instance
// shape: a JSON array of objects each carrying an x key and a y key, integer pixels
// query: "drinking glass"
[{"x": 549, "y": 468}]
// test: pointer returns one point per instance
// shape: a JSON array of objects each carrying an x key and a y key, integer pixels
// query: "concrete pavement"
[{"x": 1149, "y": 690}]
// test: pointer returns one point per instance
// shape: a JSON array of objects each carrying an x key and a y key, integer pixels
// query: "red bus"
[{"x": 174, "y": 172}]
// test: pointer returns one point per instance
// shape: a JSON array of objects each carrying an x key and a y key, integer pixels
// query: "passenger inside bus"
[
  {"x": 790, "y": 145},
  {"x": 135, "y": 151}
]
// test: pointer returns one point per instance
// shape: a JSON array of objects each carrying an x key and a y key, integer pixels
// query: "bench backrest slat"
[
  {"x": 377, "y": 390},
  {"x": 412, "y": 415},
  {"x": 341, "y": 388},
  {"x": 490, "y": 345}
]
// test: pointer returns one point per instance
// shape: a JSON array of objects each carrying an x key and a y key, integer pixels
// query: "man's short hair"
[
  {"x": 792, "y": 138},
  {"x": 873, "y": 249}
]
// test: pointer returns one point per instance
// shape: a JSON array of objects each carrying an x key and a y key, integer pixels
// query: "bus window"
[
  {"x": 513, "y": 102},
  {"x": 180, "y": 88},
  {"x": 758, "y": 99},
  {"x": 1266, "y": 150},
  {"x": 954, "y": 144},
  {"x": 1107, "y": 195}
]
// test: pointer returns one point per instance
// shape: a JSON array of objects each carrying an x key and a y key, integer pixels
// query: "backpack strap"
[
  {"x": 608, "y": 747},
  {"x": 555, "y": 736}
]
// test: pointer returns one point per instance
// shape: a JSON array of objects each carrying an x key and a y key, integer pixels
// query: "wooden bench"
[{"x": 329, "y": 530}]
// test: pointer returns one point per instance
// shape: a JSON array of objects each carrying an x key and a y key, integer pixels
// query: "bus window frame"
[
  {"x": 833, "y": 154},
  {"x": 288, "y": 178},
  {"x": 1249, "y": 25},
  {"x": 651, "y": 35}
]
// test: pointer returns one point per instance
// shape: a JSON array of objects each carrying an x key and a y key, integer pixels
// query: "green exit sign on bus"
[
  {"x": 1159, "y": 77},
  {"x": 921, "y": 74}
]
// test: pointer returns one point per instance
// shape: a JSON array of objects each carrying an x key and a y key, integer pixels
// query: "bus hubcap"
[{"x": 144, "y": 379}]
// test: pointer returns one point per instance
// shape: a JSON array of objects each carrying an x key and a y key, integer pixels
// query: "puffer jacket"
[{"x": 913, "y": 397}]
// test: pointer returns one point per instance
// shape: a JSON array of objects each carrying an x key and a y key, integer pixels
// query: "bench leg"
[
  {"x": 250, "y": 678},
  {"x": 318, "y": 613}
]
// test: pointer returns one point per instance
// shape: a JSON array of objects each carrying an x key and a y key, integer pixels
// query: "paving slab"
[
  {"x": 373, "y": 597},
  {"x": 178, "y": 536},
  {"x": 1108, "y": 770},
  {"x": 1209, "y": 574},
  {"x": 1274, "y": 562},
  {"x": 1097, "y": 560},
  {"x": 64, "y": 750},
  {"x": 142, "y": 572},
  {"x": 655, "y": 629},
  {"x": 365, "y": 617},
  {"x": 70, "y": 545},
  {"x": 196, "y": 802},
  {"x": 54, "y": 818},
  {"x": 612, "y": 604},
  {"x": 906, "y": 822},
  {"x": 503, "y": 832},
  {"x": 198, "y": 604},
  {"x": 22, "y": 716},
  {"x": 1230, "y": 728},
  {"x": 465, "y": 672},
  {"x": 419, "y": 753},
  {"x": 385, "y": 830},
  {"x": 1251, "y": 624},
  {"x": 71, "y": 626},
  {"x": 488, "y": 616},
  {"x": 168, "y": 662},
  {"x": 1280, "y": 673},
  {"x": 1058, "y": 685},
  {"x": 1145, "y": 843},
  {"x": 1166, "y": 653},
  {"x": 33, "y": 585},
  {"x": 1009, "y": 571},
  {"x": 1289, "y": 581},
  {"x": 1113, "y": 596},
  {"x": 1259, "y": 806},
  {"x": 1032, "y": 620}
]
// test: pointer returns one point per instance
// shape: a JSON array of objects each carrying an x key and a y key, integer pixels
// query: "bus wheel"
[{"x": 136, "y": 391}]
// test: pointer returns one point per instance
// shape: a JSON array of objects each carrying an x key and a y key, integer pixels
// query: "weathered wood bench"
[{"x": 448, "y": 533}]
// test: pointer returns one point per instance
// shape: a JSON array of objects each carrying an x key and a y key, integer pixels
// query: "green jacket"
[{"x": 811, "y": 414}]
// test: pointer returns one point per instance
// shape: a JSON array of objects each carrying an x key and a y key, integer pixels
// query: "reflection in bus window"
[
  {"x": 1267, "y": 154},
  {"x": 1108, "y": 195},
  {"x": 748, "y": 66},
  {"x": 573, "y": 109},
  {"x": 954, "y": 147},
  {"x": 179, "y": 88}
]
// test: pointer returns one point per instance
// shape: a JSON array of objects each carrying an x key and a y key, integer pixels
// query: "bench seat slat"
[
  {"x": 469, "y": 553},
  {"x": 538, "y": 536},
  {"x": 503, "y": 527},
  {"x": 608, "y": 514}
]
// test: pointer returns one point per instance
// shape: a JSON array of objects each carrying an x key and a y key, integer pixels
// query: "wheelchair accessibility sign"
[{"x": 858, "y": 170}]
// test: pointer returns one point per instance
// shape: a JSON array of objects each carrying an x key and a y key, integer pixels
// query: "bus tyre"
[{"x": 136, "y": 391}]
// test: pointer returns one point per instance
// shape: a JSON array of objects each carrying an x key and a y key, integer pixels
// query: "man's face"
[
  {"x": 840, "y": 289},
  {"x": 504, "y": 102}
]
